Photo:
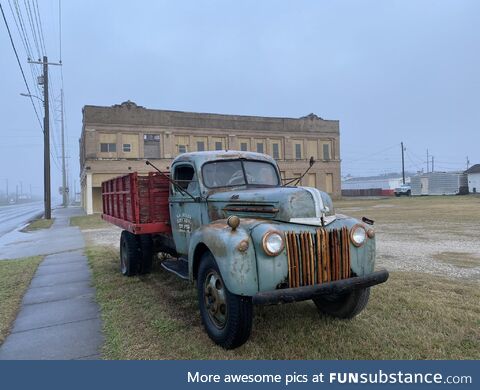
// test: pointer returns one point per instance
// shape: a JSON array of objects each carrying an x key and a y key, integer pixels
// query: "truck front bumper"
[{"x": 288, "y": 295}]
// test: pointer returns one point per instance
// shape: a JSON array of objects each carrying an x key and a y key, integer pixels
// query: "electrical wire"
[{"x": 20, "y": 66}]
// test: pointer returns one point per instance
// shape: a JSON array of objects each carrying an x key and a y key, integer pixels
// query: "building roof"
[{"x": 473, "y": 169}]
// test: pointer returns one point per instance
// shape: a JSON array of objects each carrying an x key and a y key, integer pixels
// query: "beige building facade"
[{"x": 117, "y": 140}]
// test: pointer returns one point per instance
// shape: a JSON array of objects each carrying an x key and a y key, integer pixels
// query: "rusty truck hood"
[{"x": 276, "y": 203}]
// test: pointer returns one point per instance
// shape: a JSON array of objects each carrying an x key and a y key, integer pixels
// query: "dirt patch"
[{"x": 459, "y": 259}]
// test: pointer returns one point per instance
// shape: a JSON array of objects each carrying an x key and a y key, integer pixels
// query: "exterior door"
[
  {"x": 185, "y": 212},
  {"x": 424, "y": 185}
]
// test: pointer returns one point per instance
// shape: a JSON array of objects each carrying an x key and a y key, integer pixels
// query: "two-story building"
[{"x": 117, "y": 140}]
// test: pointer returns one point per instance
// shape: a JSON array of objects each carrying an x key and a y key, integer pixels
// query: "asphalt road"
[{"x": 16, "y": 215}]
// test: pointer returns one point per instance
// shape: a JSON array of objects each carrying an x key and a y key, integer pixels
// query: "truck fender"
[{"x": 234, "y": 253}]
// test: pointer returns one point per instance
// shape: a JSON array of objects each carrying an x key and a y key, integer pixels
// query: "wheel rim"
[
  {"x": 123, "y": 259},
  {"x": 215, "y": 299}
]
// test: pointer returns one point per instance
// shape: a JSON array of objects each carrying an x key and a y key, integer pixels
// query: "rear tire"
[
  {"x": 343, "y": 306},
  {"x": 147, "y": 253},
  {"x": 130, "y": 253},
  {"x": 227, "y": 317}
]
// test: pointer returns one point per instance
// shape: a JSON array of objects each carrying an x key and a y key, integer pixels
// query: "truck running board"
[{"x": 178, "y": 267}]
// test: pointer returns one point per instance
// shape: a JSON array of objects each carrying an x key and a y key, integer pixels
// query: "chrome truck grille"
[{"x": 319, "y": 257}]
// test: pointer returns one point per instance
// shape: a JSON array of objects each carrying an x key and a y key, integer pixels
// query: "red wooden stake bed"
[{"x": 137, "y": 203}]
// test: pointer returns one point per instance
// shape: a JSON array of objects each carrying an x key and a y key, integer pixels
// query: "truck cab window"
[{"x": 185, "y": 177}]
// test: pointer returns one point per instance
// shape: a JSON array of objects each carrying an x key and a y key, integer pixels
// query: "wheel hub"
[{"x": 215, "y": 299}]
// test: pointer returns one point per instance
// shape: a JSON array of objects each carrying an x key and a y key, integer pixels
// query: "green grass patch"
[
  {"x": 15, "y": 277},
  {"x": 38, "y": 224},
  {"x": 93, "y": 221},
  {"x": 412, "y": 316}
]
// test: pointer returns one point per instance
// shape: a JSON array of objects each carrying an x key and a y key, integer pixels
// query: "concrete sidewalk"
[{"x": 59, "y": 318}]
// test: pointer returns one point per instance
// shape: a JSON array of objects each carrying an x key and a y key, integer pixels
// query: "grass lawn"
[
  {"x": 38, "y": 224},
  {"x": 93, "y": 221},
  {"x": 15, "y": 277},
  {"x": 412, "y": 316}
]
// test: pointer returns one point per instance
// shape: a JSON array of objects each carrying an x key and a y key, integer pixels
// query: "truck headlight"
[
  {"x": 272, "y": 243},
  {"x": 358, "y": 235}
]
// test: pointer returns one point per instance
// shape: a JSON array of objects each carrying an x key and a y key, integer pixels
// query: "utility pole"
[
  {"x": 428, "y": 161},
  {"x": 468, "y": 163},
  {"x": 403, "y": 164},
  {"x": 46, "y": 144},
  {"x": 432, "y": 164},
  {"x": 64, "y": 172},
  {"x": 46, "y": 139}
]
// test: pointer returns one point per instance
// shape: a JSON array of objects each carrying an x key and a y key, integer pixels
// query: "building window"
[
  {"x": 182, "y": 149},
  {"x": 108, "y": 148},
  {"x": 259, "y": 147},
  {"x": 275, "y": 151},
  {"x": 127, "y": 148},
  {"x": 298, "y": 151},
  {"x": 151, "y": 145},
  {"x": 326, "y": 151},
  {"x": 200, "y": 146},
  {"x": 218, "y": 145},
  {"x": 243, "y": 146}
]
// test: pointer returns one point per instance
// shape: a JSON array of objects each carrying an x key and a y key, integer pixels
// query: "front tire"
[
  {"x": 227, "y": 317},
  {"x": 343, "y": 306}
]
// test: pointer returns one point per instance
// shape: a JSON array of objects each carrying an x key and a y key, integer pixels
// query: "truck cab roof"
[{"x": 199, "y": 158}]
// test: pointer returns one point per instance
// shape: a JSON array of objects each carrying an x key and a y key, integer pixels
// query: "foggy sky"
[{"x": 390, "y": 71}]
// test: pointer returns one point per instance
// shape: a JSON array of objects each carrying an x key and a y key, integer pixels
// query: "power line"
[
  {"x": 20, "y": 65},
  {"x": 38, "y": 19}
]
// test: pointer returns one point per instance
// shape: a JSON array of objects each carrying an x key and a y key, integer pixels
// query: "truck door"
[{"x": 185, "y": 212}]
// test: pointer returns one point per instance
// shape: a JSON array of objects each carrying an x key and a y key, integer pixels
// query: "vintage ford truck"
[{"x": 230, "y": 225}]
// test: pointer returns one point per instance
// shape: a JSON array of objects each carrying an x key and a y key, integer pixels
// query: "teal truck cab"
[{"x": 246, "y": 239}]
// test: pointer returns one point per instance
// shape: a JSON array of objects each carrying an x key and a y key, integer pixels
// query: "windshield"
[{"x": 239, "y": 172}]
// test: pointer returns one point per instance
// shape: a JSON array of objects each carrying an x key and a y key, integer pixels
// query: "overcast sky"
[{"x": 390, "y": 71}]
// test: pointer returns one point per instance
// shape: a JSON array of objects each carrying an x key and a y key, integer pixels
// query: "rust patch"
[{"x": 242, "y": 246}]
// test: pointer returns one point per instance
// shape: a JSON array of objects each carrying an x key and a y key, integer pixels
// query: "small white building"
[
  {"x": 473, "y": 174},
  {"x": 439, "y": 183}
]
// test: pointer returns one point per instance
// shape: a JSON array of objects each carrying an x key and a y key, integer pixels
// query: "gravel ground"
[{"x": 422, "y": 239}]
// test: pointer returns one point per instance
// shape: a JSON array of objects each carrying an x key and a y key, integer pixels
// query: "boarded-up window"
[
  {"x": 151, "y": 145},
  {"x": 312, "y": 149},
  {"x": 329, "y": 183},
  {"x": 182, "y": 143}
]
